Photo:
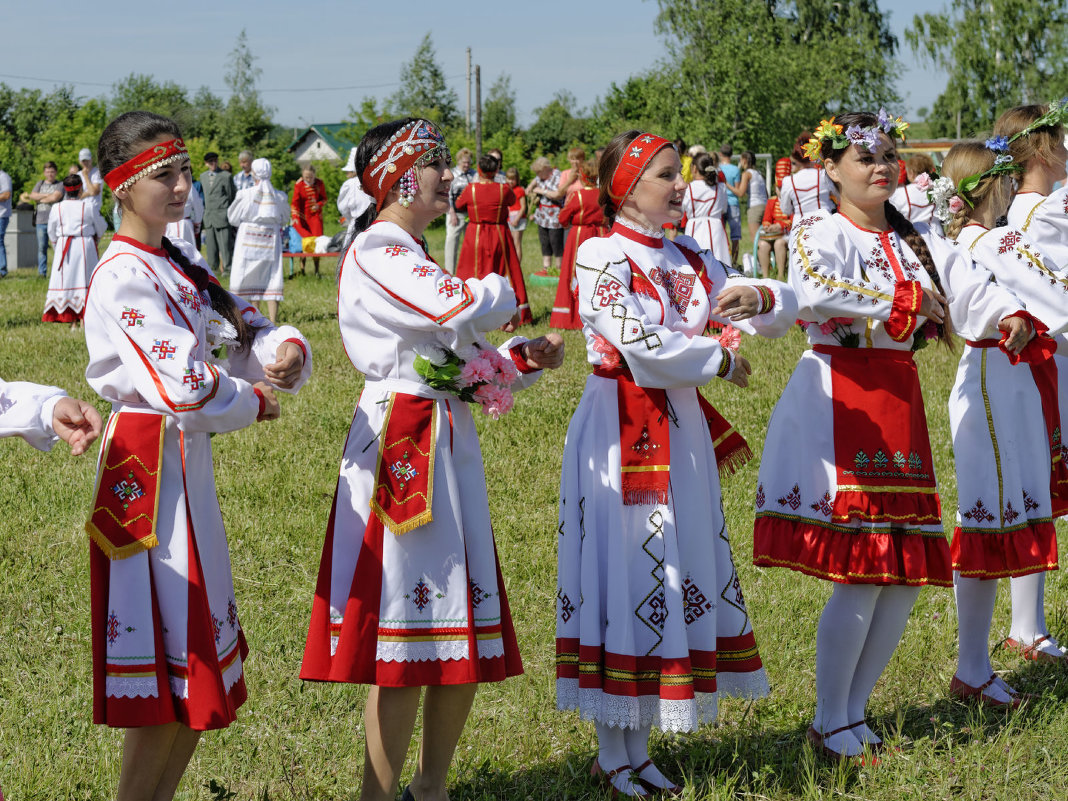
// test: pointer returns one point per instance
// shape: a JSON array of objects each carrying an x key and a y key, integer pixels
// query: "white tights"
[
  {"x": 616, "y": 747},
  {"x": 1029, "y": 612},
  {"x": 859, "y": 629}
]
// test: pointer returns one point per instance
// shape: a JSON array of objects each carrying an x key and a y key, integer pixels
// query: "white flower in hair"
[
  {"x": 941, "y": 193},
  {"x": 221, "y": 332}
]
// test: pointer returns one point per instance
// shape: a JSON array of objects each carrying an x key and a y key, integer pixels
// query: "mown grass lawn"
[{"x": 304, "y": 741}]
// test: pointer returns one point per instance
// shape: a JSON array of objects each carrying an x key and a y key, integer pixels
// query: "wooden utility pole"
[
  {"x": 478, "y": 112},
  {"x": 468, "y": 128}
]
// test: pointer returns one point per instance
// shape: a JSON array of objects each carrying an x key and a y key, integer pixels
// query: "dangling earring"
[{"x": 407, "y": 186}]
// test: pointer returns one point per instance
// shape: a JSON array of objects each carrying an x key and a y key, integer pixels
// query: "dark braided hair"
[
  {"x": 125, "y": 137},
  {"x": 899, "y": 222},
  {"x": 221, "y": 300}
]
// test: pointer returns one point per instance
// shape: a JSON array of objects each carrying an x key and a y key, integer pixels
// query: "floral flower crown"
[{"x": 868, "y": 136}]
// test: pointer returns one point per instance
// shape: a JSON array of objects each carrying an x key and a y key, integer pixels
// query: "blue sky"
[{"x": 316, "y": 64}]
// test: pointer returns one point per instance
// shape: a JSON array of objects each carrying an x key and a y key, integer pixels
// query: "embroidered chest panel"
[{"x": 878, "y": 262}]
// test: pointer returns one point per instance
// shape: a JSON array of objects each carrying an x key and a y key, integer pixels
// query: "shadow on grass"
[{"x": 777, "y": 762}]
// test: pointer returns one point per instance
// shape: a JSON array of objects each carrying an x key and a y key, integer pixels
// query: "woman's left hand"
[
  {"x": 545, "y": 352},
  {"x": 286, "y": 370},
  {"x": 1020, "y": 333},
  {"x": 737, "y": 303}
]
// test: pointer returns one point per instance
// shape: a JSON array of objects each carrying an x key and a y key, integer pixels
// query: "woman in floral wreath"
[
  {"x": 1011, "y": 479},
  {"x": 409, "y": 592},
  {"x": 846, "y": 490},
  {"x": 168, "y": 645},
  {"x": 651, "y": 625},
  {"x": 1034, "y": 136}
]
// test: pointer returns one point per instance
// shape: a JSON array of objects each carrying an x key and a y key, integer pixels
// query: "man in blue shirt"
[{"x": 731, "y": 174}]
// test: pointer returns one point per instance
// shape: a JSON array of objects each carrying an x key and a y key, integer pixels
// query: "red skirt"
[{"x": 488, "y": 248}]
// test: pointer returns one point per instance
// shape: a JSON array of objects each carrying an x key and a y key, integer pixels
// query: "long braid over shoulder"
[
  {"x": 221, "y": 300},
  {"x": 907, "y": 231}
]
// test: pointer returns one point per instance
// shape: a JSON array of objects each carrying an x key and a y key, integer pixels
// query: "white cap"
[
  {"x": 350, "y": 165},
  {"x": 85, "y": 154}
]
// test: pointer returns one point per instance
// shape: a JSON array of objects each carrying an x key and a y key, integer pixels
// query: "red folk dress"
[
  {"x": 488, "y": 247},
  {"x": 307, "y": 206},
  {"x": 586, "y": 220}
]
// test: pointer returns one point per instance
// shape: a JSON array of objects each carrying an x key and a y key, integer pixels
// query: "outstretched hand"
[
  {"x": 545, "y": 352},
  {"x": 271, "y": 409},
  {"x": 1020, "y": 332},
  {"x": 737, "y": 303},
  {"x": 76, "y": 423},
  {"x": 285, "y": 372}
]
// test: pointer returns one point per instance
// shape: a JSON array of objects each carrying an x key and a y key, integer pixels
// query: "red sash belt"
[
  {"x": 66, "y": 250},
  {"x": 645, "y": 440},
  {"x": 123, "y": 522},
  {"x": 404, "y": 488},
  {"x": 1044, "y": 374},
  {"x": 882, "y": 452}
]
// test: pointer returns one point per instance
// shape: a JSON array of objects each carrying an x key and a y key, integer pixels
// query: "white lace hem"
[
  {"x": 434, "y": 651},
  {"x": 752, "y": 684},
  {"x": 633, "y": 713},
  {"x": 130, "y": 687}
]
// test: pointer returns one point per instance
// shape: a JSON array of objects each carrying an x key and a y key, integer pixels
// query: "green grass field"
[{"x": 295, "y": 740}]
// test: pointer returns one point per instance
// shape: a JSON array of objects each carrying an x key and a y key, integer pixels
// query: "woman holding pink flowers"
[
  {"x": 651, "y": 625},
  {"x": 410, "y": 591}
]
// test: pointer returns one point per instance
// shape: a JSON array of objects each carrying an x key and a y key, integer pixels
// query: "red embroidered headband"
[
  {"x": 417, "y": 142},
  {"x": 149, "y": 160},
  {"x": 635, "y": 159}
]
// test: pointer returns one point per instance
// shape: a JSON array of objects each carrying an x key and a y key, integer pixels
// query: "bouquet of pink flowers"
[{"x": 474, "y": 374}]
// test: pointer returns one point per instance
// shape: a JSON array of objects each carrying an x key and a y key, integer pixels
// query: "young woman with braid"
[
  {"x": 1011, "y": 480},
  {"x": 846, "y": 490},
  {"x": 1035, "y": 135},
  {"x": 167, "y": 642}
]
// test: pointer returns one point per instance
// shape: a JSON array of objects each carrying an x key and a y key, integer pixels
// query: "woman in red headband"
[
  {"x": 651, "y": 626},
  {"x": 410, "y": 593},
  {"x": 167, "y": 641}
]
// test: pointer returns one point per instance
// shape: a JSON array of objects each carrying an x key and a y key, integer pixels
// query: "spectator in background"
[
  {"x": 75, "y": 229},
  {"x": 92, "y": 183},
  {"x": 5, "y": 217},
  {"x": 219, "y": 193},
  {"x": 571, "y": 178},
  {"x": 497, "y": 154},
  {"x": 44, "y": 194},
  {"x": 545, "y": 186},
  {"x": 908, "y": 198},
  {"x": 309, "y": 198},
  {"x": 352, "y": 201},
  {"x": 753, "y": 184},
  {"x": 517, "y": 212},
  {"x": 456, "y": 221},
  {"x": 730, "y": 174},
  {"x": 775, "y": 228},
  {"x": 808, "y": 188},
  {"x": 244, "y": 179},
  {"x": 704, "y": 204},
  {"x": 685, "y": 158},
  {"x": 259, "y": 213}
]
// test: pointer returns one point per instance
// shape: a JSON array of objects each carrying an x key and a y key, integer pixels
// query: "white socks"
[{"x": 1029, "y": 613}]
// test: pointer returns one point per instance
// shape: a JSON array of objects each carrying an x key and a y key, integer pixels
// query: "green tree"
[
  {"x": 423, "y": 91},
  {"x": 207, "y": 113},
  {"x": 37, "y": 127},
  {"x": 559, "y": 125},
  {"x": 498, "y": 112},
  {"x": 997, "y": 53},
  {"x": 141, "y": 92},
  {"x": 245, "y": 120},
  {"x": 815, "y": 57}
]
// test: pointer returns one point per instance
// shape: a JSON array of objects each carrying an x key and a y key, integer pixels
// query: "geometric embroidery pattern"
[
  {"x": 163, "y": 349},
  {"x": 127, "y": 490},
  {"x": 1010, "y": 514},
  {"x": 478, "y": 595},
  {"x": 216, "y": 626},
  {"x": 979, "y": 513},
  {"x": 566, "y": 607},
  {"x": 695, "y": 604},
  {"x": 823, "y": 505},
  {"x": 189, "y": 298},
  {"x": 652, "y": 611},
  {"x": 1030, "y": 504},
  {"x": 793, "y": 499},
  {"x": 422, "y": 270},
  {"x": 131, "y": 316},
  {"x": 194, "y": 379},
  {"x": 422, "y": 595},
  {"x": 231, "y": 613},
  {"x": 396, "y": 250}
]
